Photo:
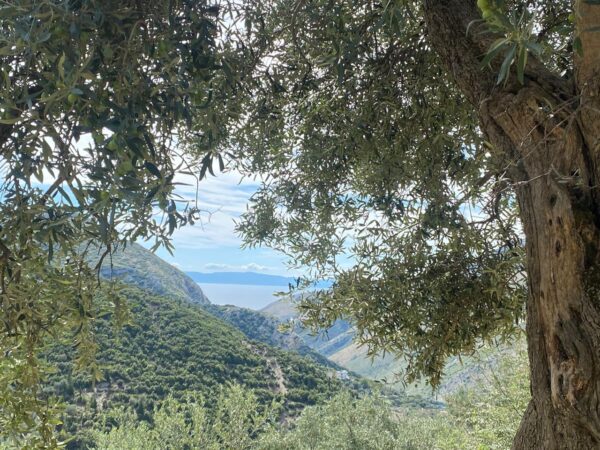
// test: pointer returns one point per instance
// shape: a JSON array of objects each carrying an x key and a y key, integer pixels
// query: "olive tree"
[
  {"x": 102, "y": 103},
  {"x": 440, "y": 160}
]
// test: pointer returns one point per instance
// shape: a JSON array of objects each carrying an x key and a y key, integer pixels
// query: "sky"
[{"x": 211, "y": 245}]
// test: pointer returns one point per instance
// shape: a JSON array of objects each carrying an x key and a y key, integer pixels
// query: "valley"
[
  {"x": 338, "y": 346},
  {"x": 173, "y": 344}
]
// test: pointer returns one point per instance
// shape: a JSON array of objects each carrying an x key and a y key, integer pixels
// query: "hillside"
[
  {"x": 338, "y": 346},
  {"x": 327, "y": 342},
  {"x": 137, "y": 266},
  {"x": 265, "y": 329},
  {"x": 174, "y": 347},
  {"x": 282, "y": 310}
]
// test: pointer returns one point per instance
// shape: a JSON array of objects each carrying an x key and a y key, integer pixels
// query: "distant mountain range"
[{"x": 247, "y": 278}]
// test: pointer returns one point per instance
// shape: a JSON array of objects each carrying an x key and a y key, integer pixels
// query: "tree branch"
[
  {"x": 5, "y": 132},
  {"x": 587, "y": 71},
  {"x": 447, "y": 22},
  {"x": 461, "y": 52}
]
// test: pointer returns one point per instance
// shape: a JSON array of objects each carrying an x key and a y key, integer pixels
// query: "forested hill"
[
  {"x": 265, "y": 329},
  {"x": 139, "y": 267},
  {"x": 174, "y": 347},
  {"x": 337, "y": 338}
]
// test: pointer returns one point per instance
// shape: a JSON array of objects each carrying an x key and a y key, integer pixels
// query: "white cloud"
[
  {"x": 251, "y": 267},
  {"x": 255, "y": 267},
  {"x": 217, "y": 267},
  {"x": 221, "y": 199}
]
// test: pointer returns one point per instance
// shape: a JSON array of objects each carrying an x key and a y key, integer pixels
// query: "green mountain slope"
[
  {"x": 327, "y": 342},
  {"x": 338, "y": 346},
  {"x": 139, "y": 267},
  {"x": 175, "y": 347},
  {"x": 260, "y": 327}
]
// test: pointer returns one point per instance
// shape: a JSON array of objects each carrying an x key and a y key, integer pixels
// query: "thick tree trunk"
[
  {"x": 548, "y": 133},
  {"x": 554, "y": 182},
  {"x": 563, "y": 319},
  {"x": 563, "y": 322}
]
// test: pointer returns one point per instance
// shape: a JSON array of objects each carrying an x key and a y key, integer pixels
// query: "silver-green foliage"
[
  {"x": 484, "y": 416},
  {"x": 232, "y": 424},
  {"x": 491, "y": 413},
  {"x": 377, "y": 174},
  {"x": 346, "y": 423},
  {"x": 92, "y": 93}
]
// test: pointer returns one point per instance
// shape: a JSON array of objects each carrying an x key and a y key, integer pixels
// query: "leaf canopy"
[
  {"x": 376, "y": 172},
  {"x": 102, "y": 102}
]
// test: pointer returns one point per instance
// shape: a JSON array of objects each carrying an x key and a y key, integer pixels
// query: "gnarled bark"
[{"x": 548, "y": 131}]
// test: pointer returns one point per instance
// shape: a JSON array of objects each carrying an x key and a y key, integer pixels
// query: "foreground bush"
[{"x": 233, "y": 423}]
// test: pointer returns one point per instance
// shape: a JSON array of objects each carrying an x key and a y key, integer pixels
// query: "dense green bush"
[
  {"x": 484, "y": 416},
  {"x": 232, "y": 423}
]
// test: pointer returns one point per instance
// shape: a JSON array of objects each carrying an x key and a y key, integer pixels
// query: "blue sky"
[{"x": 212, "y": 244}]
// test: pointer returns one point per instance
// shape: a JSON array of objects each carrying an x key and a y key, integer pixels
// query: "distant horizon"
[
  {"x": 252, "y": 290},
  {"x": 249, "y": 279}
]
